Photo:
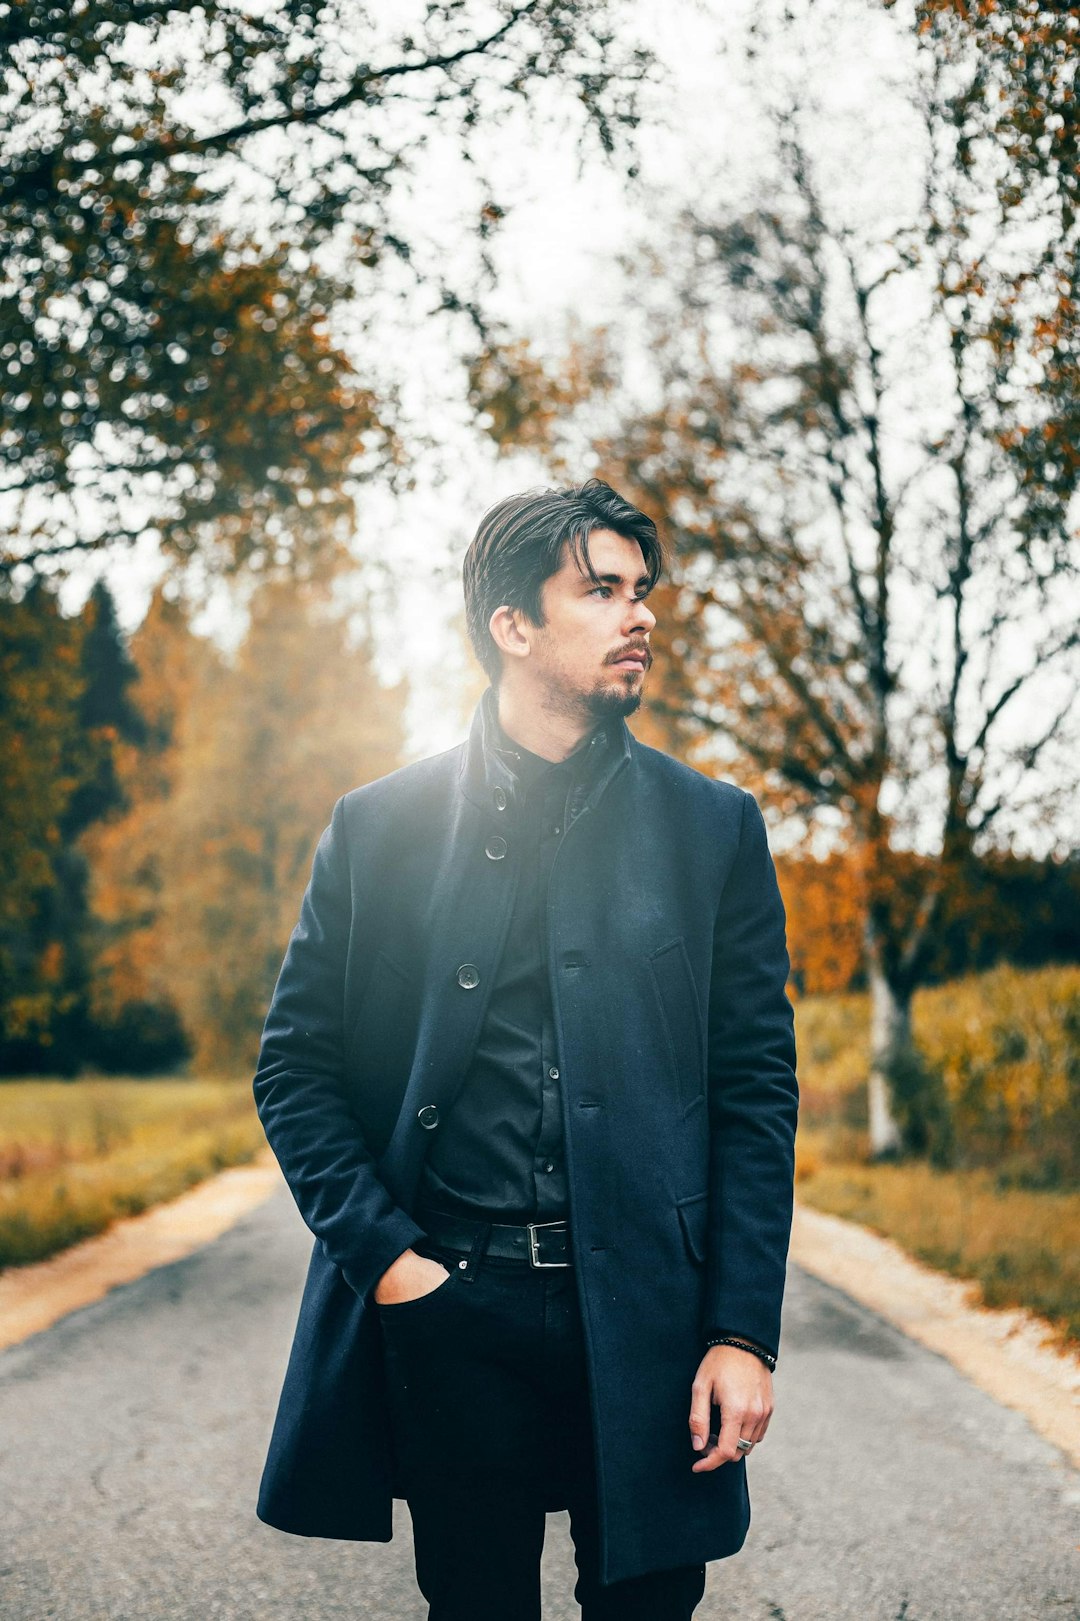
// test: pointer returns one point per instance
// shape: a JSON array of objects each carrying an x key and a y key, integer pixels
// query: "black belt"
[{"x": 541, "y": 1243}]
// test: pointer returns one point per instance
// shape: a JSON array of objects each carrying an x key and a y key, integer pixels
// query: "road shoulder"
[
  {"x": 32, "y": 1298},
  {"x": 1006, "y": 1353}
]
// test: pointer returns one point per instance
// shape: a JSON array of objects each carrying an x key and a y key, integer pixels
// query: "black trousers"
[{"x": 490, "y": 1416}]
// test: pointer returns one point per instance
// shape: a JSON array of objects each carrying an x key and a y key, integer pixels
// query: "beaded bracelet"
[{"x": 728, "y": 1339}]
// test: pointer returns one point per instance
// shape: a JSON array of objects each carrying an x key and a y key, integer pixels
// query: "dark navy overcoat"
[{"x": 668, "y": 966}]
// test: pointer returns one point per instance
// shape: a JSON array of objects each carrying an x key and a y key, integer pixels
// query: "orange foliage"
[
  {"x": 201, "y": 880},
  {"x": 824, "y": 904}
]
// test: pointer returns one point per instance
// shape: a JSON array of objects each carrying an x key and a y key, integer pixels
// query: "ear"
[{"x": 509, "y": 632}]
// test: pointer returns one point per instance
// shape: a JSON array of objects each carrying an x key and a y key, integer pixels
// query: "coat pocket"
[
  {"x": 693, "y": 1218},
  {"x": 676, "y": 993}
]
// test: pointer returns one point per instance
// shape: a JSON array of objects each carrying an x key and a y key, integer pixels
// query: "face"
[{"x": 592, "y": 653}]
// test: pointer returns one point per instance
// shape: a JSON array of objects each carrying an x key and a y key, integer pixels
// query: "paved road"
[{"x": 132, "y": 1434}]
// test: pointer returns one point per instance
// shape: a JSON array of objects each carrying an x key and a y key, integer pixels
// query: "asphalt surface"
[{"x": 132, "y": 1435}]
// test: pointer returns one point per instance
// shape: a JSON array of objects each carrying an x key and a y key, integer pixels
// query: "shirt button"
[
  {"x": 468, "y": 976},
  {"x": 548, "y": 1166},
  {"x": 553, "y": 1072},
  {"x": 495, "y": 848},
  {"x": 428, "y": 1116},
  {"x": 499, "y": 797},
  {"x": 556, "y": 830}
]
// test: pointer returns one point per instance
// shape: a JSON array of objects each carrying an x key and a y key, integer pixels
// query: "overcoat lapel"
[{"x": 468, "y": 917}]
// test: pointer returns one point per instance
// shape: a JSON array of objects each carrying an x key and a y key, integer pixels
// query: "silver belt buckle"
[{"x": 532, "y": 1228}]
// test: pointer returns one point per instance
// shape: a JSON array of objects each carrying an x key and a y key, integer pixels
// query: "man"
[{"x": 529, "y": 1070}]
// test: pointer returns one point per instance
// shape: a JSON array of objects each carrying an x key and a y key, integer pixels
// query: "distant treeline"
[
  {"x": 1000, "y": 908},
  {"x": 161, "y": 805}
]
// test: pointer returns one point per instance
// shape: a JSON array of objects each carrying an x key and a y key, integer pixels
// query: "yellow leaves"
[
  {"x": 1000, "y": 1039},
  {"x": 51, "y": 963}
]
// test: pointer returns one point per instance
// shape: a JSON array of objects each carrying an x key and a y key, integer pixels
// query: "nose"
[{"x": 641, "y": 617}]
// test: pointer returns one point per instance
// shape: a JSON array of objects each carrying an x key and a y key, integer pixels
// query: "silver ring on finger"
[{"x": 744, "y": 1445}]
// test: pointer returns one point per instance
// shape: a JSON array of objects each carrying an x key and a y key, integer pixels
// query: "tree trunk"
[{"x": 890, "y": 1034}]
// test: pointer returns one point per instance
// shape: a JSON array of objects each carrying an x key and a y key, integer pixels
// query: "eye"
[{"x": 605, "y": 590}]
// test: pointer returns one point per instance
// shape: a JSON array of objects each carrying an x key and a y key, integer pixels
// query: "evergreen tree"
[{"x": 64, "y": 707}]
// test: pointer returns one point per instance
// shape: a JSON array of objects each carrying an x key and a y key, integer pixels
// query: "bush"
[
  {"x": 147, "y": 1038},
  {"x": 995, "y": 1080},
  {"x": 921, "y": 1107}
]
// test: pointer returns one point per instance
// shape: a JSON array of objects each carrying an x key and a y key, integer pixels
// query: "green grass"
[{"x": 75, "y": 1156}]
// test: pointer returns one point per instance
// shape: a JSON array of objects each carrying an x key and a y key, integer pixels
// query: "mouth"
[{"x": 631, "y": 661}]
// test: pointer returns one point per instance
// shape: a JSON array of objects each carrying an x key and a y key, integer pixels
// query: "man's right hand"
[{"x": 409, "y": 1277}]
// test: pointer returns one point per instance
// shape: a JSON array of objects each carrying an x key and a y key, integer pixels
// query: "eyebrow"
[{"x": 617, "y": 579}]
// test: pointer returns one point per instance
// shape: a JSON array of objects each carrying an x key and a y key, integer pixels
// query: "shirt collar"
[
  {"x": 493, "y": 773},
  {"x": 582, "y": 761}
]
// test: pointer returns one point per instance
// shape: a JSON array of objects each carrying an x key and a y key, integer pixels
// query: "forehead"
[{"x": 610, "y": 554}]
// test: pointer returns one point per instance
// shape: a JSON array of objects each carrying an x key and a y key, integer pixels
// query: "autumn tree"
[
  {"x": 1008, "y": 70},
  {"x": 191, "y": 196},
  {"x": 876, "y": 567},
  {"x": 135, "y": 1020},
  {"x": 824, "y": 905},
  {"x": 200, "y": 882},
  {"x": 1003, "y": 907}
]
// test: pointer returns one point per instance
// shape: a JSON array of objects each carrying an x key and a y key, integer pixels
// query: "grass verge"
[
  {"x": 1020, "y": 1245},
  {"x": 76, "y": 1156}
]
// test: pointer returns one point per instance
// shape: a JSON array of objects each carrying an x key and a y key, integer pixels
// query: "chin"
[{"x": 621, "y": 699}]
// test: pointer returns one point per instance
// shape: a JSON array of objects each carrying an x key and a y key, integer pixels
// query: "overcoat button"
[
  {"x": 500, "y": 798},
  {"x": 495, "y": 848},
  {"x": 468, "y": 976},
  {"x": 428, "y": 1116}
]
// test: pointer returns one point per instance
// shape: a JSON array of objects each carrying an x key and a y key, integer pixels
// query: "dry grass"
[
  {"x": 1022, "y": 1246},
  {"x": 75, "y": 1156}
]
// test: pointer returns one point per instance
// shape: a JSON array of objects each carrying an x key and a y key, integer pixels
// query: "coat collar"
[{"x": 488, "y": 777}]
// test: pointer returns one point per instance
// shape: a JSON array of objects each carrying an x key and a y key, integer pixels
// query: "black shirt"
[{"x": 499, "y": 1150}]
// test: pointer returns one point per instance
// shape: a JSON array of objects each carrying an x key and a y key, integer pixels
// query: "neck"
[{"x": 537, "y": 726}]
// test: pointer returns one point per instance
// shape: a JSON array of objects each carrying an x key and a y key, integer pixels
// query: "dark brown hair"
[{"x": 518, "y": 545}]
